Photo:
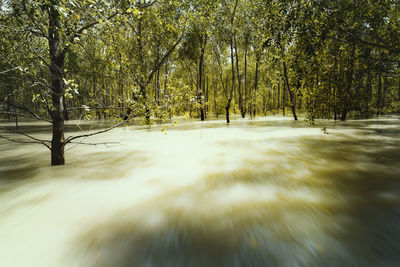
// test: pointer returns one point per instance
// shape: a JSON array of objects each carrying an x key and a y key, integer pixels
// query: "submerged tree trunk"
[
  {"x": 258, "y": 58},
  {"x": 228, "y": 105},
  {"x": 215, "y": 97},
  {"x": 200, "y": 91},
  {"x": 229, "y": 98},
  {"x": 57, "y": 57},
  {"x": 245, "y": 77},
  {"x": 227, "y": 112},
  {"x": 283, "y": 99}
]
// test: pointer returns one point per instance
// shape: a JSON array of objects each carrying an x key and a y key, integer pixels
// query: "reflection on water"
[{"x": 267, "y": 192}]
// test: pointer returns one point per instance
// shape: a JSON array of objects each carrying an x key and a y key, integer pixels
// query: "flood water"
[{"x": 264, "y": 192}]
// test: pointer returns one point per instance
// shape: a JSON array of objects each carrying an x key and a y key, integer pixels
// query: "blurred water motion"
[{"x": 267, "y": 192}]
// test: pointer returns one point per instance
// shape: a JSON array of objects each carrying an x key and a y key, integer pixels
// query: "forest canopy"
[{"x": 127, "y": 59}]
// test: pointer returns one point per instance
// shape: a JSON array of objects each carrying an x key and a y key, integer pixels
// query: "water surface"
[{"x": 266, "y": 192}]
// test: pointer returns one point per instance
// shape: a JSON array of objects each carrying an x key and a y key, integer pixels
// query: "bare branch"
[
  {"x": 20, "y": 114},
  {"x": 33, "y": 115},
  {"x": 106, "y": 144},
  {"x": 71, "y": 138},
  {"x": 35, "y": 140}
]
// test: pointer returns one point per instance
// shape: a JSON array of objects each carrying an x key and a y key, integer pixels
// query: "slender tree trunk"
[
  {"x": 349, "y": 83},
  {"x": 245, "y": 76},
  {"x": 258, "y": 58},
  {"x": 398, "y": 93},
  {"x": 291, "y": 96},
  {"x": 157, "y": 88},
  {"x": 166, "y": 79},
  {"x": 200, "y": 91},
  {"x": 278, "y": 98},
  {"x": 379, "y": 97},
  {"x": 228, "y": 105},
  {"x": 283, "y": 99},
  {"x": 206, "y": 96},
  {"x": 385, "y": 86},
  {"x": 215, "y": 97},
  {"x": 142, "y": 83},
  {"x": 335, "y": 82},
  {"x": 239, "y": 82}
]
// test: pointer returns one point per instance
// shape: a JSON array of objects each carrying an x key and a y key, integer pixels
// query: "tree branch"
[
  {"x": 35, "y": 140},
  {"x": 71, "y": 138},
  {"x": 162, "y": 61},
  {"x": 33, "y": 115}
]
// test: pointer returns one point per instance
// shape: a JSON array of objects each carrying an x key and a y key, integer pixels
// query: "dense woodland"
[{"x": 144, "y": 60}]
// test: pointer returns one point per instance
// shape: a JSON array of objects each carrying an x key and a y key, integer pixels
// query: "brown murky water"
[{"x": 267, "y": 192}]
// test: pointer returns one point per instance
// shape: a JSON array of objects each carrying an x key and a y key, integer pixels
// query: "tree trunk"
[
  {"x": 283, "y": 100},
  {"x": 385, "y": 87},
  {"x": 233, "y": 83},
  {"x": 206, "y": 97},
  {"x": 379, "y": 97},
  {"x": 258, "y": 58},
  {"x": 291, "y": 96},
  {"x": 57, "y": 57},
  {"x": 239, "y": 82},
  {"x": 278, "y": 98},
  {"x": 398, "y": 91},
  {"x": 166, "y": 79},
  {"x": 227, "y": 112},
  {"x": 349, "y": 83},
  {"x": 245, "y": 76},
  {"x": 200, "y": 93}
]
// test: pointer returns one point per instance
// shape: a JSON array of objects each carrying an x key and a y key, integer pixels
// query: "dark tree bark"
[
  {"x": 398, "y": 93},
  {"x": 57, "y": 57},
  {"x": 283, "y": 99},
  {"x": 245, "y": 76},
  {"x": 200, "y": 85},
  {"x": 232, "y": 18}
]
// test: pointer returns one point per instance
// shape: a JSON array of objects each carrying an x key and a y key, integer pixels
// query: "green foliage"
[{"x": 142, "y": 58}]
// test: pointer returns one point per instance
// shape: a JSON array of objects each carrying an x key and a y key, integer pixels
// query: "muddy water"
[{"x": 267, "y": 192}]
